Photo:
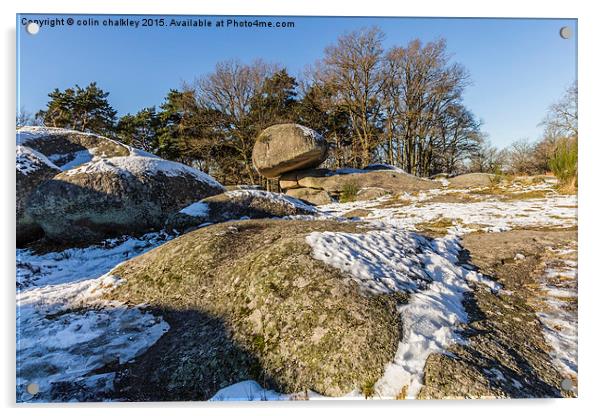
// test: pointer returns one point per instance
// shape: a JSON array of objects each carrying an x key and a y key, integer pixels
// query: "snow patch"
[
  {"x": 65, "y": 331},
  {"x": 77, "y": 264},
  {"x": 393, "y": 259},
  {"x": 197, "y": 209},
  {"x": 384, "y": 166},
  {"x": 307, "y": 132},
  {"x": 79, "y": 158},
  {"x": 128, "y": 165},
  {"x": 29, "y": 160},
  {"x": 248, "y": 390},
  {"x": 380, "y": 261},
  {"x": 559, "y": 317},
  {"x": 273, "y": 197},
  {"x": 490, "y": 215},
  {"x": 65, "y": 328}
]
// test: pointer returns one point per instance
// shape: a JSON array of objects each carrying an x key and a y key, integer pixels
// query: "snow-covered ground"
[
  {"x": 559, "y": 312},
  {"x": 65, "y": 329},
  {"x": 59, "y": 294},
  {"x": 488, "y": 214},
  {"x": 389, "y": 260}
]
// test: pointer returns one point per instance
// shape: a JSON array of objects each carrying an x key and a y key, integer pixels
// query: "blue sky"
[{"x": 517, "y": 66}]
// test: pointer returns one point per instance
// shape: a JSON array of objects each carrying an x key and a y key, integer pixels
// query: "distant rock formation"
[
  {"x": 287, "y": 147},
  {"x": 471, "y": 180},
  {"x": 321, "y": 186}
]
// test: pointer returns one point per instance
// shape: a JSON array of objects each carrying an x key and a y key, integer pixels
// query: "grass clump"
[
  {"x": 437, "y": 227},
  {"x": 403, "y": 393},
  {"x": 349, "y": 192},
  {"x": 497, "y": 179},
  {"x": 369, "y": 389}
]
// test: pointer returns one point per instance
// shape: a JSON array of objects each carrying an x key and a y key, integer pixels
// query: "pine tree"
[
  {"x": 275, "y": 102},
  {"x": 84, "y": 109},
  {"x": 141, "y": 130}
]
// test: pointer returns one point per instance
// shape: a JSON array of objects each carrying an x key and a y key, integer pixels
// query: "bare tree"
[
  {"x": 457, "y": 136},
  {"x": 562, "y": 118},
  {"x": 352, "y": 68},
  {"x": 229, "y": 91},
  {"x": 24, "y": 118},
  {"x": 521, "y": 157},
  {"x": 421, "y": 85},
  {"x": 487, "y": 158}
]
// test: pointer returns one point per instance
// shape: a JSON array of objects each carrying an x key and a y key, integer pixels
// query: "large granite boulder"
[
  {"x": 247, "y": 300},
  {"x": 33, "y": 168},
  {"x": 116, "y": 196},
  {"x": 288, "y": 147}
]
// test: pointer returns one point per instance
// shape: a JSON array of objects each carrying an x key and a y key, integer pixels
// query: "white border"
[{"x": 589, "y": 195}]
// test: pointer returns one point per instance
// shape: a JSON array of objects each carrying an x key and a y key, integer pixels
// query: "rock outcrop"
[
  {"x": 320, "y": 186},
  {"x": 287, "y": 147},
  {"x": 33, "y": 168},
  {"x": 111, "y": 197},
  {"x": 250, "y": 294},
  {"x": 471, "y": 180},
  {"x": 313, "y": 196},
  {"x": 366, "y": 194},
  {"x": 238, "y": 204},
  {"x": 389, "y": 180}
]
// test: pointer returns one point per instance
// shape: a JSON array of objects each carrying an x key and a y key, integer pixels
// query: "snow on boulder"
[
  {"x": 254, "y": 204},
  {"x": 70, "y": 148},
  {"x": 116, "y": 196},
  {"x": 33, "y": 168},
  {"x": 384, "y": 166},
  {"x": 239, "y": 204},
  {"x": 287, "y": 147}
]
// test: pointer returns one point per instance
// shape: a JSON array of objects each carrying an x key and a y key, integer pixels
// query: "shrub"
[
  {"x": 368, "y": 389},
  {"x": 564, "y": 162},
  {"x": 349, "y": 192},
  {"x": 496, "y": 179}
]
